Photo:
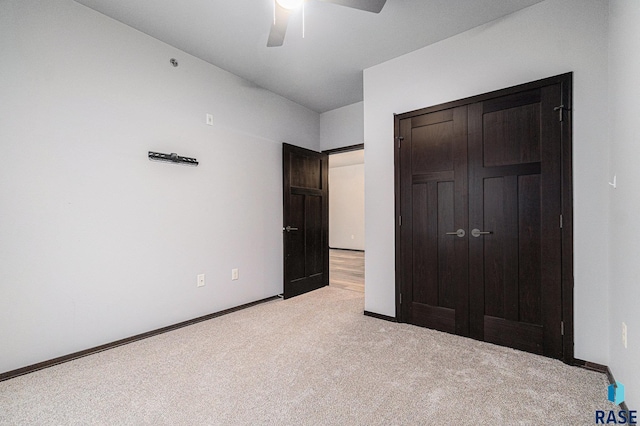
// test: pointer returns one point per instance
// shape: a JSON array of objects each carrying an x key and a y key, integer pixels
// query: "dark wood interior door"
[
  {"x": 433, "y": 161},
  {"x": 305, "y": 220},
  {"x": 480, "y": 248},
  {"x": 515, "y": 204}
]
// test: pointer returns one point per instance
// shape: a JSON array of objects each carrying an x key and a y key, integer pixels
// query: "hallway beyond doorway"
[{"x": 346, "y": 269}]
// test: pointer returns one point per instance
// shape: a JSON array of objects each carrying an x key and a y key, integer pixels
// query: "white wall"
[
  {"x": 342, "y": 127},
  {"x": 346, "y": 207},
  {"x": 98, "y": 243},
  {"x": 624, "y": 75},
  {"x": 547, "y": 39}
]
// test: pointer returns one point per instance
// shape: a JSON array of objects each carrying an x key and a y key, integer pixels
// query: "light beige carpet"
[{"x": 311, "y": 360}]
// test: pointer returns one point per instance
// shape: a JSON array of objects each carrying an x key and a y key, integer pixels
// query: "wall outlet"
[
  {"x": 210, "y": 119},
  {"x": 234, "y": 274},
  {"x": 624, "y": 335},
  {"x": 201, "y": 280}
]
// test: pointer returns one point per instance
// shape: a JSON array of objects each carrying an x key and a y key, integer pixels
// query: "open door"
[{"x": 305, "y": 220}]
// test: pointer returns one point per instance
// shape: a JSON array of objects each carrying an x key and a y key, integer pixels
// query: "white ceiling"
[{"x": 322, "y": 71}]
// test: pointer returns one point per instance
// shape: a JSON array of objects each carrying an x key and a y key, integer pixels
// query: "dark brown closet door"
[
  {"x": 496, "y": 169},
  {"x": 514, "y": 221},
  {"x": 433, "y": 186}
]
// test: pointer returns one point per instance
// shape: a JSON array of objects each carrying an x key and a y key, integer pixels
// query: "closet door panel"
[{"x": 434, "y": 205}]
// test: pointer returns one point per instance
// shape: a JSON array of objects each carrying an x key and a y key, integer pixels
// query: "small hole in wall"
[{"x": 173, "y": 62}]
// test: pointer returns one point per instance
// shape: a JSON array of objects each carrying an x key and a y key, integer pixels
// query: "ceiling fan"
[{"x": 284, "y": 8}]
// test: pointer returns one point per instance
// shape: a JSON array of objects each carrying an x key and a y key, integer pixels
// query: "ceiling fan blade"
[
  {"x": 278, "y": 27},
  {"x": 374, "y": 6}
]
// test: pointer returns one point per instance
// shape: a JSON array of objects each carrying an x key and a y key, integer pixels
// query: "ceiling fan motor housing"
[{"x": 283, "y": 8}]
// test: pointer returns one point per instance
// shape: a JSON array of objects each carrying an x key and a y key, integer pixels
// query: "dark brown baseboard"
[
  {"x": 66, "y": 358},
  {"x": 600, "y": 369},
  {"x": 594, "y": 367},
  {"x": 379, "y": 316},
  {"x": 337, "y": 248}
]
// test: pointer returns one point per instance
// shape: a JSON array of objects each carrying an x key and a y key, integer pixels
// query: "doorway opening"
[
  {"x": 306, "y": 252},
  {"x": 346, "y": 218}
]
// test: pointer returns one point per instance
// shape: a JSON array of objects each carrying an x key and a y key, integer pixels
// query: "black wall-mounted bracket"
[{"x": 172, "y": 158}]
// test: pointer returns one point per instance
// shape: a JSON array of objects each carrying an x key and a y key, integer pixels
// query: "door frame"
[
  {"x": 566, "y": 184},
  {"x": 349, "y": 148},
  {"x": 329, "y": 153}
]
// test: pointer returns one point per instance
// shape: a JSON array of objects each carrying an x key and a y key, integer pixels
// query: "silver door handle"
[
  {"x": 476, "y": 232},
  {"x": 289, "y": 229},
  {"x": 460, "y": 233}
]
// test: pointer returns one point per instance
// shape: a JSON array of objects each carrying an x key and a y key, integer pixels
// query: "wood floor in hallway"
[{"x": 346, "y": 269}]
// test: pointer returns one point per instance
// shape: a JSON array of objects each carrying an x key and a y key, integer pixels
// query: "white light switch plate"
[
  {"x": 201, "y": 280},
  {"x": 234, "y": 274}
]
